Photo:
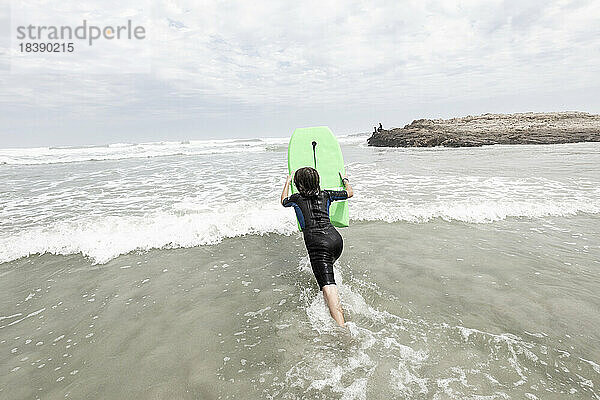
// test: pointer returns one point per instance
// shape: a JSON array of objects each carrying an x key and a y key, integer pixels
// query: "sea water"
[{"x": 170, "y": 271}]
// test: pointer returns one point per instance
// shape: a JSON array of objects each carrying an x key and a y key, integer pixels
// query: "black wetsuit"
[{"x": 323, "y": 242}]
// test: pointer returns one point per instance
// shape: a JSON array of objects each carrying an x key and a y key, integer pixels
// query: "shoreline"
[{"x": 490, "y": 129}]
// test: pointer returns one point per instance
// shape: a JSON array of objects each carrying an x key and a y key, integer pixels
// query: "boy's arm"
[
  {"x": 347, "y": 185},
  {"x": 286, "y": 188}
]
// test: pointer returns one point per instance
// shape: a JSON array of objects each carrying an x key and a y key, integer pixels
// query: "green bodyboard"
[{"x": 329, "y": 164}]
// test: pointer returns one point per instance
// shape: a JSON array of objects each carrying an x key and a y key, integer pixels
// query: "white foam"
[
  {"x": 350, "y": 375},
  {"x": 117, "y": 151},
  {"x": 473, "y": 199},
  {"x": 185, "y": 202},
  {"x": 350, "y": 368},
  {"x": 104, "y": 238},
  {"x": 32, "y": 314},
  {"x": 594, "y": 365}
]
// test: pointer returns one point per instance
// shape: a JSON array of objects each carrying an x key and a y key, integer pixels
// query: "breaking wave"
[{"x": 103, "y": 238}]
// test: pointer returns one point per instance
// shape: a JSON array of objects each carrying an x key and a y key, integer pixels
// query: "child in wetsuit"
[{"x": 323, "y": 242}]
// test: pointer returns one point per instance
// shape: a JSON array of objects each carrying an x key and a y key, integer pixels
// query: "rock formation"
[{"x": 469, "y": 131}]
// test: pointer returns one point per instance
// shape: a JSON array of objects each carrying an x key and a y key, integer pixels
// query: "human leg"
[
  {"x": 332, "y": 298},
  {"x": 324, "y": 247}
]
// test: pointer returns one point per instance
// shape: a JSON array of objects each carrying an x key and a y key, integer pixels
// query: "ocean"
[{"x": 170, "y": 271}]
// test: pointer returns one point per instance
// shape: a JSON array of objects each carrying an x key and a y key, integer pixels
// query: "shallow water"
[{"x": 466, "y": 273}]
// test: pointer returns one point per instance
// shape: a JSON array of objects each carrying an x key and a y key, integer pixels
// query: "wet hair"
[{"x": 306, "y": 181}]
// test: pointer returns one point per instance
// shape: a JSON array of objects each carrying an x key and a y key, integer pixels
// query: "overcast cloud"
[{"x": 261, "y": 68}]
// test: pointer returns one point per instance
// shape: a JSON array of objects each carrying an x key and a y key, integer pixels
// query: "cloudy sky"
[{"x": 211, "y": 69}]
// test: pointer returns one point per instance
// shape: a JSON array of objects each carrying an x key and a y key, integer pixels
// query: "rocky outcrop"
[{"x": 470, "y": 131}]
